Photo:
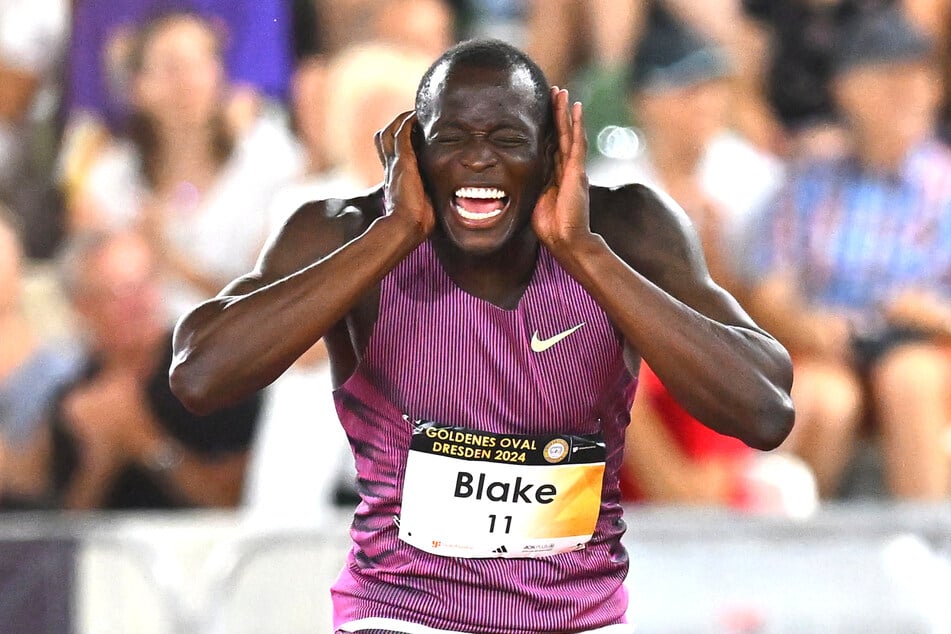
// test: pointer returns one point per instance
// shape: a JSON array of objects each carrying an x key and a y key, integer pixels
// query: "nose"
[{"x": 479, "y": 156}]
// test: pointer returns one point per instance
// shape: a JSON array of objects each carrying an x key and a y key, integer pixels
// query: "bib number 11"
[{"x": 507, "y": 519}]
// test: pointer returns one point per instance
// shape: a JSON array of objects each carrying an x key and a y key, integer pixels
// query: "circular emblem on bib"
[{"x": 556, "y": 450}]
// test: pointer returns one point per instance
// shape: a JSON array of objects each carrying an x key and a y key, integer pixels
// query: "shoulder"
[
  {"x": 316, "y": 229},
  {"x": 635, "y": 203},
  {"x": 642, "y": 225},
  {"x": 292, "y": 195}
]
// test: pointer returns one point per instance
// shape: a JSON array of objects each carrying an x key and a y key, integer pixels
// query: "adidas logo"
[{"x": 500, "y": 550}]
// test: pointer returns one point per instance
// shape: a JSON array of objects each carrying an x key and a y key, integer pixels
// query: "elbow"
[
  {"x": 774, "y": 423},
  {"x": 776, "y": 413},
  {"x": 190, "y": 388}
]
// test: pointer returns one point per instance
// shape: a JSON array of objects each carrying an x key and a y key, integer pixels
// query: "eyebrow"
[{"x": 506, "y": 125}]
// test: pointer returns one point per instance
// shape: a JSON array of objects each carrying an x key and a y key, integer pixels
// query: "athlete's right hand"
[{"x": 403, "y": 192}]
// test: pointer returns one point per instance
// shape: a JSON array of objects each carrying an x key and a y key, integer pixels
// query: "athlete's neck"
[{"x": 500, "y": 277}]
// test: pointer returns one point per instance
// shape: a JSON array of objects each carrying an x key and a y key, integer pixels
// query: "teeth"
[
  {"x": 469, "y": 215},
  {"x": 479, "y": 192}
]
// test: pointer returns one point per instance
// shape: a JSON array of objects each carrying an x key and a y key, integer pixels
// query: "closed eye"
[{"x": 509, "y": 140}]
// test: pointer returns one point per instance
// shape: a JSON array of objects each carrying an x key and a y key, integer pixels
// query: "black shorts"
[{"x": 869, "y": 348}]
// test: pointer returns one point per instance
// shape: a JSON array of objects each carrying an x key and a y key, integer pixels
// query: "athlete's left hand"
[{"x": 561, "y": 216}]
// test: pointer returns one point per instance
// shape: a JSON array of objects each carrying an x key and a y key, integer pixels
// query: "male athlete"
[{"x": 485, "y": 311}]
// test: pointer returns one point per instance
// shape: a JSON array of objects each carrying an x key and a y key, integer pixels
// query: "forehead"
[
  {"x": 184, "y": 33},
  {"x": 469, "y": 91}
]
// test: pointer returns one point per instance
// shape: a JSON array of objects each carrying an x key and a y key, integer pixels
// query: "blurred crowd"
[{"x": 149, "y": 147}]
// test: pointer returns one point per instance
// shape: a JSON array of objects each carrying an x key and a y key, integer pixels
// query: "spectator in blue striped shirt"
[{"x": 852, "y": 269}]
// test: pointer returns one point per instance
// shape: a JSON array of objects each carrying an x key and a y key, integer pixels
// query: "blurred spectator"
[
  {"x": 424, "y": 26},
  {"x": 499, "y": 19},
  {"x": 257, "y": 52},
  {"x": 933, "y": 17},
  {"x": 585, "y": 46},
  {"x": 32, "y": 39},
  {"x": 427, "y": 25},
  {"x": 372, "y": 82},
  {"x": 307, "y": 36},
  {"x": 678, "y": 90},
  {"x": 256, "y": 42},
  {"x": 566, "y": 36},
  {"x": 122, "y": 440},
  {"x": 417, "y": 27},
  {"x": 198, "y": 189},
  {"x": 671, "y": 458},
  {"x": 31, "y": 373},
  {"x": 588, "y": 45},
  {"x": 853, "y": 268},
  {"x": 803, "y": 35}
]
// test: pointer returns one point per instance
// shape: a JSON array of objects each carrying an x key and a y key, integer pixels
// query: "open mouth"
[{"x": 478, "y": 204}]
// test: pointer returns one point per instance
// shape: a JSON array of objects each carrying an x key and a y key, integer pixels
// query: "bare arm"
[
  {"x": 242, "y": 340},
  {"x": 653, "y": 283},
  {"x": 326, "y": 259}
]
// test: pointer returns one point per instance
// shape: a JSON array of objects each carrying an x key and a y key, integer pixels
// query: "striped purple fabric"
[{"x": 440, "y": 354}]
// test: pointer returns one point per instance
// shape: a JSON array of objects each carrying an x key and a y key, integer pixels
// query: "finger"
[
  {"x": 563, "y": 132},
  {"x": 378, "y": 143},
  {"x": 563, "y": 123},
  {"x": 579, "y": 142},
  {"x": 388, "y": 136},
  {"x": 404, "y": 140}
]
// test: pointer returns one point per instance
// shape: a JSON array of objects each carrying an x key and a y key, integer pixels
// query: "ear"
[{"x": 416, "y": 137}]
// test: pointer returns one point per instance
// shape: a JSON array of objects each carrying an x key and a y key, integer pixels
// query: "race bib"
[{"x": 469, "y": 493}]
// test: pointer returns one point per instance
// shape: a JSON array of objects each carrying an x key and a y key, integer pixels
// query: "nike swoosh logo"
[{"x": 540, "y": 345}]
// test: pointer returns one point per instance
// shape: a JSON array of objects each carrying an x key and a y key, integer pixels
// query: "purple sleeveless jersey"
[{"x": 440, "y": 354}]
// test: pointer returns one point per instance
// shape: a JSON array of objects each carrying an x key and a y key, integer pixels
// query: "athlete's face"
[{"x": 483, "y": 155}]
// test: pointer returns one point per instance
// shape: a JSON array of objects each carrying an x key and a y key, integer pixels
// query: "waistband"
[{"x": 381, "y": 623}]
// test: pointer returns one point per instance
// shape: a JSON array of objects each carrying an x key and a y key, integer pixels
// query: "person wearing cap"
[
  {"x": 679, "y": 93},
  {"x": 678, "y": 87},
  {"x": 852, "y": 268}
]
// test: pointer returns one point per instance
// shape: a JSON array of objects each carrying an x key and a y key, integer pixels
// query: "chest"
[{"x": 548, "y": 365}]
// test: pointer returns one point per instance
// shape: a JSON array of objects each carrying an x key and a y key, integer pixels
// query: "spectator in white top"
[{"x": 197, "y": 188}]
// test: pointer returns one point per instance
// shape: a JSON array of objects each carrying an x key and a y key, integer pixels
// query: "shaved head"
[{"x": 489, "y": 55}]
